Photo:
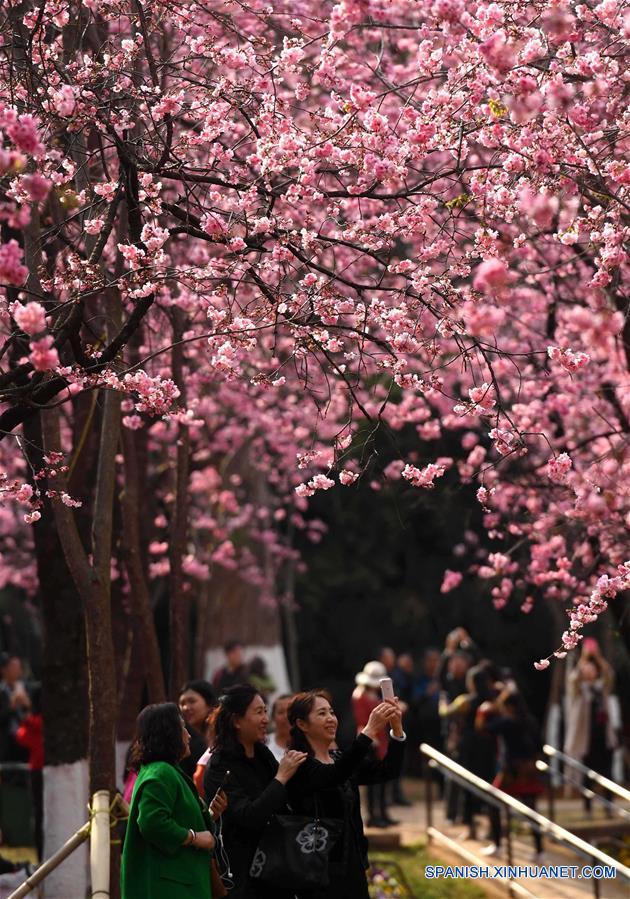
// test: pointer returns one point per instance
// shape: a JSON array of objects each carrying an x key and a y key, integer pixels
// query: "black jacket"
[
  {"x": 332, "y": 791},
  {"x": 253, "y": 796}
]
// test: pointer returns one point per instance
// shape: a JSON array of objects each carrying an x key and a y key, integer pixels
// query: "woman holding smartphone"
[
  {"x": 326, "y": 784},
  {"x": 255, "y": 784}
]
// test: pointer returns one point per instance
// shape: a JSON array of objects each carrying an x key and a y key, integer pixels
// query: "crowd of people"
[
  {"x": 214, "y": 745},
  {"x": 255, "y": 767},
  {"x": 207, "y": 776}
]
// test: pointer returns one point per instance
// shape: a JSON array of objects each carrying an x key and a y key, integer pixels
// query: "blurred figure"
[
  {"x": 279, "y": 739},
  {"x": 454, "y": 685},
  {"x": 234, "y": 671},
  {"x": 259, "y": 677},
  {"x": 30, "y": 735},
  {"x": 365, "y": 698},
  {"x": 592, "y": 725},
  {"x": 14, "y": 705},
  {"x": 387, "y": 658},
  {"x": 453, "y": 682},
  {"x": 426, "y": 697},
  {"x": 424, "y": 723},
  {"x": 520, "y": 746},
  {"x": 403, "y": 677},
  {"x": 457, "y": 640},
  {"x": 196, "y": 701},
  {"x": 476, "y": 749}
]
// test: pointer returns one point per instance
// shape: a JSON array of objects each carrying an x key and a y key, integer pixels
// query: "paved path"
[{"x": 412, "y": 830}]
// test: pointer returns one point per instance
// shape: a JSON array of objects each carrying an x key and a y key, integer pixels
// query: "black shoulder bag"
[{"x": 293, "y": 851}]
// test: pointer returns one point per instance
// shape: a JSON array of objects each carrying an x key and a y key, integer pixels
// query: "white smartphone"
[{"x": 387, "y": 688}]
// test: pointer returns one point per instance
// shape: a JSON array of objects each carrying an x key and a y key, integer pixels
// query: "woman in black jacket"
[
  {"x": 327, "y": 783},
  {"x": 253, "y": 780}
]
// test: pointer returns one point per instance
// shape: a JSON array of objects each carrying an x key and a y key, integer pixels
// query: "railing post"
[
  {"x": 510, "y": 847},
  {"x": 100, "y": 845},
  {"x": 429, "y": 795},
  {"x": 595, "y": 880}
]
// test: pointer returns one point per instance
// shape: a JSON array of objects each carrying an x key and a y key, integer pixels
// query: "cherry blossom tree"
[{"x": 234, "y": 233}]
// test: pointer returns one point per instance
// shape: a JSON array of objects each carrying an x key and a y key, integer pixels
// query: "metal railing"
[
  {"x": 97, "y": 829},
  {"x": 594, "y": 776},
  {"x": 512, "y": 807}
]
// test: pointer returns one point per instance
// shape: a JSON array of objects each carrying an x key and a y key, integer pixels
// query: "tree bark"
[
  {"x": 144, "y": 626},
  {"x": 93, "y": 585},
  {"x": 64, "y": 682},
  {"x": 179, "y": 606}
]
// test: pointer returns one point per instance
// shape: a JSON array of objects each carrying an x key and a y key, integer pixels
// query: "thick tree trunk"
[
  {"x": 179, "y": 600},
  {"x": 93, "y": 584},
  {"x": 144, "y": 626},
  {"x": 65, "y": 698},
  {"x": 100, "y": 649}
]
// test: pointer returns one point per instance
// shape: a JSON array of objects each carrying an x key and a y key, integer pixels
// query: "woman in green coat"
[{"x": 170, "y": 833}]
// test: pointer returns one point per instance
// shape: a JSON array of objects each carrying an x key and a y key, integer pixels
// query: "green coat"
[{"x": 155, "y": 865}]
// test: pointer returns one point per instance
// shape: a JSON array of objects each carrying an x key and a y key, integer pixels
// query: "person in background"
[
  {"x": 259, "y": 677},
  {"x": 234, "y": 671},
  {"x": 520, "y": 745},
  {"x": 30, "y": 735},
  {"x": 592, "y": 728},
  {"x": 457, "y": 641},
  {"x": 454, "y": 682},
  {"x": 476, "y": 749},
  {"x": 387, "y": 657},
  {"x": 426, "y": 698},
  {"x": 365, "y": 698},
  {"x": 403, "y": 677},
  {"x": 327, "y": 783},
  {"x": 15, "y": 703},
  {"x": 255, "y": 784},
  {"x": 170, "y": 832},
  {"x": 196, "y": 701},
  {"x": 279, "y": 739}
]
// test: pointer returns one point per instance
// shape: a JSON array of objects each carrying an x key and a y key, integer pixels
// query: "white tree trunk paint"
[
  {"x": 121, "y": 754},
  {"x": 66, "y": 798},
  {"x": 273, "y": 656}
]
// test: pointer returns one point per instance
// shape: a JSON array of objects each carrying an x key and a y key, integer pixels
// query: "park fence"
[{"x": 103, "y": 816}]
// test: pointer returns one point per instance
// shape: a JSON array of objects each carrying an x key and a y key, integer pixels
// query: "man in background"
[{"x": 234, "y": 671}]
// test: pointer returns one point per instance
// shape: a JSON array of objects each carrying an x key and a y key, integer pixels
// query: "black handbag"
[{"x": 293, "y": 851}]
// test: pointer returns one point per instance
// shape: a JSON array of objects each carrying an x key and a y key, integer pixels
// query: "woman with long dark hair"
[
  {"x": 170, "y": 832},
  {"x": 255, "y": 783},
  {"x": 327, "y": 782}
]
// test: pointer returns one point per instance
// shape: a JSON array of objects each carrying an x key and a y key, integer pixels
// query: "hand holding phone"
[{"x": 387, "y": 688}]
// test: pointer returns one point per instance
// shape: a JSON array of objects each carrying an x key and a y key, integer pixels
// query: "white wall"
[{"x": 273, "y": 656}]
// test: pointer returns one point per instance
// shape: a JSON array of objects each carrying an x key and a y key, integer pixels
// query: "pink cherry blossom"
[
  {"x": 43, "y": 354},
  {"x": 31, "y": 318},
  {"x": 12, "y": 271},
  {"x": 451, "y": 580}
]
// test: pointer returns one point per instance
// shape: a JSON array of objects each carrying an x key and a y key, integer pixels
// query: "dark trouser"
[
  {"x": 601, "y": 762},
  {"x": 37, "y": 792},
  {"x": 496, "y": 828},
  {"x": 377, "y": 801},
  {"x": 394, "y": 790}
]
